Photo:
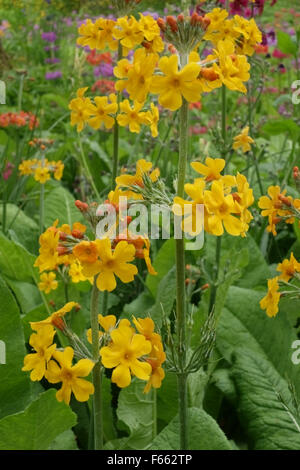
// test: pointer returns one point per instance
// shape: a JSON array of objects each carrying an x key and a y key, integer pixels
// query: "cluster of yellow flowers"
[
  {"x": 279, "y": 208},
  {"x": 224, "y": 208},
  {"x": 54, "y": 259},
  {"x": 42, "y": 169},
  {"x": 129, "y": 353},
  {"x": 290, "y": 270},
  {"x": 244, "y": 33},
  {"x": 148, "y": 73},
  {"x": 54, "y": 364},
  {"x": 83, "y": 112}
]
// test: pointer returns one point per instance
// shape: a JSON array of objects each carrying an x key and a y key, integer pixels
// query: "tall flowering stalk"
[{"x": 178, "y": 79}]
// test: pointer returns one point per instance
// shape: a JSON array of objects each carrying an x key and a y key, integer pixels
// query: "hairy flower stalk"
[
  {"x": 180, "y": 275},
  {"x": 97, "y": 380}
]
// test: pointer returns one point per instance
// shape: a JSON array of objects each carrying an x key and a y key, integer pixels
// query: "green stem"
[
  {"x": 66, "y": 290},
  {"x": 20, "y": 93},
  {"x": 154, "y": 413},
  {"x": 97, "y": 379},
  {"x": 116, "y": 134},
  {"x": 4, "y": 208},
  {"x": 180, "y": 276},
  {"x": 214, "y": 288},
  {"x": 42, "y": 200},
  {"x": 104, "y": 303},
  {"x": 87, "y": 170}
]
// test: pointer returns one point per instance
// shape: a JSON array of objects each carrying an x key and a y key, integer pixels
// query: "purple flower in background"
[
  {"x": 52, "y": 60},
  {"x": 49, "y": 37},
  {"x": 155, "y": 16},
  {"x": 271, "y": 37},
  {"x": 49, "y": 48},
  {"x": 53, "y": 75},
  {"x": 104, "y": 70}
]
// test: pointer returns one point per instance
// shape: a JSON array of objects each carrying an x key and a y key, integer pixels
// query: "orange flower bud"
[
  {"x": 82, "y": 206},
  {"x": 209, "y": 74},
  {"x": 285, "y": 200},
  {"x": 77, "y": 234},
  {"x": 161, "y": 23},
  {"x": 172, "y": 23},
  {"x": 59, "y": 323}
]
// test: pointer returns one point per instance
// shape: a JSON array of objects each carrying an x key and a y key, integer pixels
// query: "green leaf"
[
  {"x": 65, "y": 441},
  {"x": 37, "y": 426},
  {"x": 15, "y": 389},
  {"x": 244, "y": 324},
  {"x": 28, "y": 295},
  {"x": 49, "y": 98},
  {"x": 167, "y": 398},
  {"x": 265, "y": 404},
  {"x": 24, "y": 227},
  {"x": 203, "y": 434},
  {"x": 135, "y": 409},
  {"x": 15, "y": 261},
  {"x": 60, "y": 204},
  {"x": 282, "y": 126},
  {"x": 285, "y": 43}
]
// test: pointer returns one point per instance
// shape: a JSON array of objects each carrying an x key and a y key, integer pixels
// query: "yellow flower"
[
  {"x": 220, "y": 208},
  {"x": 75, "y": 272},
  {"x": 108, "y": 323},
  {"x": 86, "y": 252},
  {"x": 115, "y": 263},
  {"x": 250, "y": 35},
  {"x": 25, "y": 167},
  {"x": 174, "y": 84},
  {"x": 271, "y": 300},
  {"x": 212, "y": 168},
  {"x": 132, "y": 116},
  {"x": 149, "y": 27},
  {"x": 101, "y": 113},
  {"x": 157, "y": 358},
  {"x": 244, "y": 198},
  {"x": 48, "y": 282},
  {"x": 272, "y": 207},
  {"x": 123, "y": 353},
  {"x": 128, "y": 32},
  {"x": 58, "y": 170},
  {"x": 106, "y": 34},
  {"x": 48, "y": 257},
  {"x": 153, "y": 117},
  {"x": 81, "y": 109},
  {"x": 55, "y": 319},
  {"x": 139, "y": 75},
  {"x": 196, "y": 192},
  {"x": 42, "y": 344},
  {"x": 243, "y": 140},
  {"x": 90, "y": 35},
  {"x": 288, "y": 268},
  {"x": 232, "y": 69},
  {"x": 146, "y": 326},
  {"x": 70, "y": 376},
  {"x": 142, "y": 167},
  {"x": 42, "y": 175}
]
